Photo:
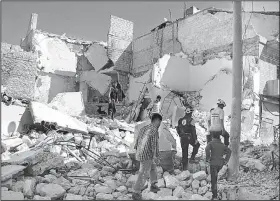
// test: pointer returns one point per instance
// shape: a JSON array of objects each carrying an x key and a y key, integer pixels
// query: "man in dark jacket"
[
  {"x": 215, "y": 150},
  {"x": 187, "y": 132},
  {"x": 113, "y": 96}
]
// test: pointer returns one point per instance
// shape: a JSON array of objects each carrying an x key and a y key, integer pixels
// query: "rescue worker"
[
  {"x": 217, "y": 121},
  {"x": 155, "y": 106},
  {"x": 187, "y": 132}
]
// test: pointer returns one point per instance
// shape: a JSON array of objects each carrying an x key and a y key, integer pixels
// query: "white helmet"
[
  {"x": 188, "y": 110},
  {"x": 221, "y": 102}
]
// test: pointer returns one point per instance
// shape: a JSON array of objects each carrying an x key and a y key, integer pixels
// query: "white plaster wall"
[
  {"x": 97, "y": 56},
  {"x": 54, "y": 55},
  {"x": 96, "y": 80},
  {"x": 135, "y": 87},
  {"x": 48, "y": 85},
  {"x": 220, "y": 87}
]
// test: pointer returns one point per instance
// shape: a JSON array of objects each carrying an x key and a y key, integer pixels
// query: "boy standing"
[
  {"x": 215, "y": 150},
  {"x": 147, "y": 152}
]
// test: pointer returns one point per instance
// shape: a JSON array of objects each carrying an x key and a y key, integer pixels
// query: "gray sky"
[{"x": 90, "y": 20}]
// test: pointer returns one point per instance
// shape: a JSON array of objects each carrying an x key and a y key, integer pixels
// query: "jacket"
[
  {"x": 215, "y": 150},
  {"x": 186, "y": 126}
]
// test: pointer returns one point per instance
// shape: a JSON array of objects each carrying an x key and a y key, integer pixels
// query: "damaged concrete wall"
[
  {"x": 19, "y": 71},
  {"x": 54, "y": 55},
  {"x": 48, "y": 85},
  {"x": 97, "y": 56},
  {"x": 120, "y": 39}
]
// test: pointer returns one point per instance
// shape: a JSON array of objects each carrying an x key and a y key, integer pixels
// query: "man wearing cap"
[
  {"x": 216, "y": 118},
  {"x": 187, "y": 132}
]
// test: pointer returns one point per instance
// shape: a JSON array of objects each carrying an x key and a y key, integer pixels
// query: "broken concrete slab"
[
  {"x": 41, "y": 112},
  {"x": 30, "y": 157},
  {"x": 97, "y": 81},
  {"x": 97, "y": 56},
  {"x": 11, "y": 195},
  {"x": 54, "y": 191},
  {"x": 12, "y": 143},
  {"x": 49, "y": 161},
  {"x": 70, "y": 103},
  {"x": 8, "y": 171}
]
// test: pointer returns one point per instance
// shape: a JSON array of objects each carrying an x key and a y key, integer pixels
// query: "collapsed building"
[{"x": 185, "y": 61}]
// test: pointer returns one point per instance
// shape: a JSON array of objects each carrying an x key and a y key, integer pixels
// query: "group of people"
[
  {"x": 147, "y": 146},
  {"x": 116, "y": 95}
]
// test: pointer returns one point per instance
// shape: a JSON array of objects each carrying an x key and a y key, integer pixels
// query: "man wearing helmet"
[
  {"x": 217, "y": 121},
  {"x": 187, "y": 132}
]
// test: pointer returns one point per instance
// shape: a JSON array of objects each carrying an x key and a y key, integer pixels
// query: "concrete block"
[
  {"x": 9, "y": 171},
  {"x": 97, "y": 56},
  {"x": 41, "y": 112},
  {"x": 70, "y": 103},
  {"x": 11, "y": 195}
]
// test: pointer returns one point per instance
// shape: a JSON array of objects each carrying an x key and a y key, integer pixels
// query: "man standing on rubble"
[
  {"x": 147, "y": 152},
  {"x": 217, "y": 121},
  {"x": 187, "y": 132},
  {"x": 155, "y": 106},
  {"x": 113, "y": 95}
]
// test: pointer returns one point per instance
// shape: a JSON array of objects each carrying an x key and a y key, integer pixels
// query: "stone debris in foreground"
[
  {"x": 11, "y": 195},
  {"x": 8, "y": 171}
]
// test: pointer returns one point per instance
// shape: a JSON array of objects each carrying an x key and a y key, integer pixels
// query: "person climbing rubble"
[
  {"x": 155, "y": 106},
  {"x": 215, "y": 150},
  {"x": 187, "y": 132},
  {"x": 147, "y": 152},
  {"x": 112, "y": 100},
  {"x": 216, "y": 118}
]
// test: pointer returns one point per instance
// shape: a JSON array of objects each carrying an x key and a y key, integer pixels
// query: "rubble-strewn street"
[{"x": 73, "y": 109}]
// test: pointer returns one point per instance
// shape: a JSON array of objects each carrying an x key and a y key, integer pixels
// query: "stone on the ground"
[
  {"x": 168, "y": 198},
  {"x": 131, "y": 181},
  {"x": 27, "y": 140},
  {"x": 49, "y": 178},
  {"x": 38, "y": 197},
  {"x": 122, "y": 189},
  {"x": 108, "y": 169},
  {"x": 208, "y": 195},
  {"x": 202, "y": 190},
  {"x": 197, "y": 197},
  {"x": 203, "y": 183},
  {"x": 54, "y": 191},
  {"x": 184, "y": 175},
  {"x": 23, "y": 147},
  {"x": 253, "y": 164},
  {"x": 195, "y": 184},
  {"x": 4, "y": 189},
  {"x": 177, "y": 171},
  {"x": 123, "y": 197},
  {"x": 171, "y": 181},
  {"x": 111, "y": 183},
  {"x": 50, "y": 161},
  {"x": 70, "y": 196},
  {"x": 11, "y": 195},
  {"x": 116, "y": 194},
  {"x": 68, "y": 137},
  {"x": 147, "y": 195},
  {"x": 178, "y": 192},
  {"x": 12, "y": 143},
  {"x": 18, "y": 186},
  {"x": 102, "y": 189},
  {"x": 63, "y": 182},
  {"x": 10, "y": 171},
  {"x": 8, "y": 183},
  {"x": 193, "y": 167},
  {"x": 103, "y": 196},
  {"x": 165, "y": 192},
  {"x": 161, "y": 183},
  {"x": 200, "y": 175},
  {"x": 208, "y": 179},
  {"x": 195, "y": 191},
  {"x": 186, "y": 195},
  {"x": 29, "y": 187},
  {"x": 244, "y": 194},
  {"x": 55, "y": 149}
]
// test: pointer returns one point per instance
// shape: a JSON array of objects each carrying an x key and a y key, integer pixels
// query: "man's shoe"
[
  {"x": 136, "y": 196},
  {"x": 154, "y": 188}
]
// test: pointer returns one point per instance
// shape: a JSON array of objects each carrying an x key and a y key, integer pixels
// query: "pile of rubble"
[{"x": 62, "y": 163}]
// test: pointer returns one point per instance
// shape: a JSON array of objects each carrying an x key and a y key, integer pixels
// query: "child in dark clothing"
[{"x": 215, "y": 150}]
